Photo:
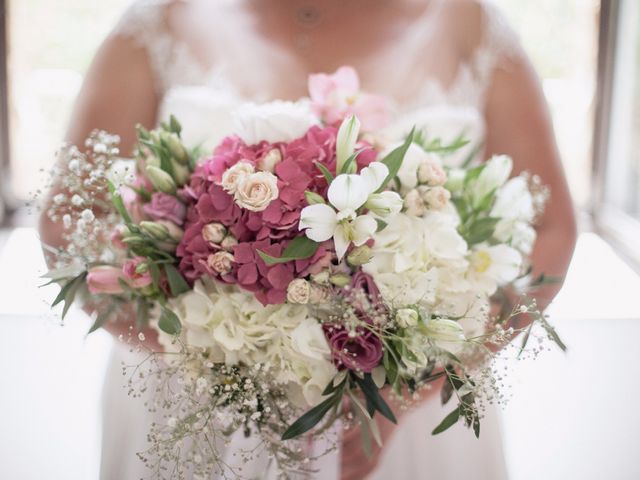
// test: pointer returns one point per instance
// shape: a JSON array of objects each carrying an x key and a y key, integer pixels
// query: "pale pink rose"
[
  {"x": 165, "y": 207},
  {"x": 413, "y": 204},
  {"x": 220, "y": 262},
  {"x": 319, "y": 294},
  {"x": 233, "y": 176},
  {"x": 269, "y": 161},
  {"x": 298, "y": 291},
  {"x": 229, "y": 242},
  {"x": 256, "y": 191},
  {"x": 431, "y": 172},
  {"x": 214, "y": 232},
  {"x": 437, "y": 197},
  {"x": 104, "y": 279},
  {"x": 336, "y": 96},
  {"x": 134, "y": 275}
]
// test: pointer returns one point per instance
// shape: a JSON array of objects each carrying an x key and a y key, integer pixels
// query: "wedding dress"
[{"x": 203, "y": 100}]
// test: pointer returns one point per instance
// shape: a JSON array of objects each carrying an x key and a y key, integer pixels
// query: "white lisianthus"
[
  {"x": 494, "y": 174},
  {"x": 493, "y": 266},
  {"x": 444, "y": 330},
  {"x": 273, "y": 122},
  {"x": 340, "y": 220},
  {"x": 514, "y": 207}
]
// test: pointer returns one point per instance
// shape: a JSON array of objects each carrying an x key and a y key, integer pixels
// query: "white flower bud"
[
  {"x": 384, "y": 204},
  {"x": 444, "y": 330},
  {"x": 346, "y": 142},
  {"x": 214, "y": 233},
  {"x": 407, "y": 317},
  {"x": 413, "y": 204},
  {"x": 269, "y": 161},
  {"x": 359, "y": 256},
  {"x": 299, "y": 291},
  {"x": 160, "y": 179}
]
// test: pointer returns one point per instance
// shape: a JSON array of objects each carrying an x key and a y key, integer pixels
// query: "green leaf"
[
  {"x": 299, "y": 248},
  {"x": 371, "y": 393},
  {"x": 327, "y": 174},
  {"x": 481, "y": 230},
  {"x": 448, "y": 422},
  {"x": 174, "y": 124},
  {"x": 177, "y": 283},
  {"x": 545, "y": 280},
  {"x": 169, "y": 322},
  {"x": 310, "y": 419},
  {"x": 394, "y": 159},
  {"x": 142, "y": 313},
  {"x": 473, "y": 174},
  {"x": 102, "y": 317},
  {"x": 381, "y": 225},
  {"x": 553, "y": 334},
  {"x": 436, "y": 145}
]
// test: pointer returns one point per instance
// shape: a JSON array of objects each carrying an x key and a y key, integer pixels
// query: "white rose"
[
  {"x": 273, "y": 122},
  {"x": 232, "y": 177},
  {"x": 220, "y": 262},
  {"x": 437, "y": 197},
  {"x": 214, "y": 232},
  {"x": 431, "y": 172},
  {"x": 298, "y": 291},
  {"x": 256, "y": 191},
  {"x": 269, "y": 160},
  {"x": 413, "y": 204},
  {"x": 407, "y": 317}
]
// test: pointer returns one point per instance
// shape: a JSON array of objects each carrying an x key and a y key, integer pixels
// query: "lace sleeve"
[
  {"x": 499, "y": 44},
  {"x": 146, "y": 22}
]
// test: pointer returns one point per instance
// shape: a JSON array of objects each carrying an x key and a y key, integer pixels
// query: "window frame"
[
  {"x": 610, "y": 221},
  {"x": 4, "y": 113}
]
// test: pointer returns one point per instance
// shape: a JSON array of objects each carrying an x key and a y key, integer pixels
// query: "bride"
[{"x": 450, "y": 66}]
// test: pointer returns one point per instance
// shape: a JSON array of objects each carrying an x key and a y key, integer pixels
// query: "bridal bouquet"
[{"x": 306, "y": 261}]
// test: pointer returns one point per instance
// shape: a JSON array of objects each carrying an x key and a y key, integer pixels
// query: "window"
[{"x": 617, "y": 174}]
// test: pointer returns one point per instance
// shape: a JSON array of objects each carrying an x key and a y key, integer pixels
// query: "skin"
[{"x": 118, "y": 94}]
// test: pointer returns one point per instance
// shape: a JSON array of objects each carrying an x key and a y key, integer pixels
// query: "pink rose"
[
  {"x": 165, "y": 207},
  {"x": 136, "y": 273},
  {"x": 104, "y": 279},
  {"x": 336, "y": 96}
]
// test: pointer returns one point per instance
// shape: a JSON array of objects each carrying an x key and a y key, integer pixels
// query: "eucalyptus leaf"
[
  {"x": 310, "y": 419},
  {"x": 177, "y": 283},
  {"x": 169, "y": 322},
  {"x": 448, "y": 422},
  {"x": 103, "y": 317}
]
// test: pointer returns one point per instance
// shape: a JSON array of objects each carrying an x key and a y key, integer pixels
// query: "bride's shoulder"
[{"x": 480, "y": 26}]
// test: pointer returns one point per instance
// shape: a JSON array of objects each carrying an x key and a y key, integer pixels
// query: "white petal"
[
  {"x": 505, "y": 263},
  {"x": 363, "y": 229},
  {"x": 374, "y": 175},
  {"x": 348, "y": 191},
  {"x": 319, "y": 220},
  {"x": 346, "y": 141},
  {"x": 341, "y": 241}
]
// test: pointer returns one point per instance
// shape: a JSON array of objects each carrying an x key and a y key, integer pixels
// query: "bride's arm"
[
  {"x": 519, "y": 125},
  {"x": 117, "y": 94}
]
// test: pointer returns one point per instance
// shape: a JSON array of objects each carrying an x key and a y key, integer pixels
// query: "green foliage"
[
  {"x": 169, "y": 322},
  {"x": 394, "y": 159},
  {"x": 299, "y": 248}
]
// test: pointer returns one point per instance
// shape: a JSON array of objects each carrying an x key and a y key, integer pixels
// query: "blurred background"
[{"x": 572, "y": 415}]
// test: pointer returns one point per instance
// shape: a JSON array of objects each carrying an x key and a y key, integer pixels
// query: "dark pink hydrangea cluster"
[{"x": 270, "y": 230}]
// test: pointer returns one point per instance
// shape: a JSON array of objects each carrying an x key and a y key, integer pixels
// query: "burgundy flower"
[{"x": 361, "y": 352}]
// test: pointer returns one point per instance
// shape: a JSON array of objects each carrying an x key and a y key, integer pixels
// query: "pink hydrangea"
[{"x": 270, "y": 230}]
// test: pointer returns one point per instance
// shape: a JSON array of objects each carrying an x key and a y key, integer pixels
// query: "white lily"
[
  {"x": 346, "y": 142},
  {"x": 340, "y": 220}
]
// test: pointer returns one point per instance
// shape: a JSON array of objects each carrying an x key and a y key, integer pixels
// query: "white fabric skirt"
[{"x": 411, "y": 453}]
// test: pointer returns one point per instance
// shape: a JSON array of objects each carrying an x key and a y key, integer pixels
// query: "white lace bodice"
[{"x": 189, "y": 89}]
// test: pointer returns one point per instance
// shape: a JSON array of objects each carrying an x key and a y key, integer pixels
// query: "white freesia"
[
  {"x": 494, "y": 174},
  {"x": 493, "y": 266},
  {"x": 340, "y": 220},
  {"x": 273, "y": 122}
]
